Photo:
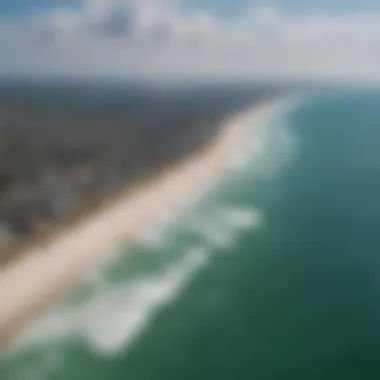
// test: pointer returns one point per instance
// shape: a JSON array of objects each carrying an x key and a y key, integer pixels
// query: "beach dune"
[{"x": 30, "y": 284}]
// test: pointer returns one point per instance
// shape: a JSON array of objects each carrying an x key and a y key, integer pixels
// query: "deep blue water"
[{"x": 274, "y": 274}]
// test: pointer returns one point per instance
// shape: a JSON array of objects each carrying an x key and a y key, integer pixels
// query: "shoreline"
[{"x": 50, "y": 270}]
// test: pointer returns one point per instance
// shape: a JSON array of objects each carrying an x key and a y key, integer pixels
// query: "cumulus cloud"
[{"x": 157, "y": 39}]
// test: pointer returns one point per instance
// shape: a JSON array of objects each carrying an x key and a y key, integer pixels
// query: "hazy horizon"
[{"x": 184, "y": 41}]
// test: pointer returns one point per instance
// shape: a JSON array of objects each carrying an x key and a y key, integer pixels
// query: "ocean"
[{"x": 272, "y": 274}]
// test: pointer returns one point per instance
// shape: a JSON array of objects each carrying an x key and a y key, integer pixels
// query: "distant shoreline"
[{"x": 49, "y": 269}]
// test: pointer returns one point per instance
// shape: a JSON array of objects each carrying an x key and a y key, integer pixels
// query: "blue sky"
[
  {"x": 223, "y": 8},
  {"x": 19, "y": 8},
  {"x": 228, "y": 7}
]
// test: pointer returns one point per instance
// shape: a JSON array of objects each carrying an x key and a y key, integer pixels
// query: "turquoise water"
[{"x": 273, "y": 274}]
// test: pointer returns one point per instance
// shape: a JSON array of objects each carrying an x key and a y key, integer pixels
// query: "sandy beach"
[{"x": 46, "y": 272}]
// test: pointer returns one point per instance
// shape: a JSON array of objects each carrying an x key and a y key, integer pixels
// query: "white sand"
[{"x": 50, "y": 270}]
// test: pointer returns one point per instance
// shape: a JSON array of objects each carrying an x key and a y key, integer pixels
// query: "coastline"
[{"x": 46, "y": 272}]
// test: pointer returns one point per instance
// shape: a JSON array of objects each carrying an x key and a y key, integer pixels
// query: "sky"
[
  {"x": 223, "y": 8},
  {"x": 186, "y": 40}
]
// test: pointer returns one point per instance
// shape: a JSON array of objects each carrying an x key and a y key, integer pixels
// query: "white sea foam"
[
  {"x": 257, "y": 146},
  {"x": 224, "y": 227},
  {"x": 242, "y": 160},
  {"x": 116, "y": 313},
  {"x": 277, "y": 151},
  {"x": 220, "y": 227},
  {"x": 242, "y": 218},
  {"x": 218, "y": 236},
  {"x": 152, "y": 237},
  {"x": 157, "y": 234},
  {"x": 215, "y": 233}
]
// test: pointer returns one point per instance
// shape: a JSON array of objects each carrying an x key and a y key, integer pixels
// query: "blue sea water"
[{"x": 273, "y": 274}]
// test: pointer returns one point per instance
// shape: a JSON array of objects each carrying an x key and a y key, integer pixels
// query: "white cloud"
[{"x": 154, "y": 38}]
